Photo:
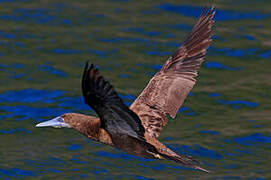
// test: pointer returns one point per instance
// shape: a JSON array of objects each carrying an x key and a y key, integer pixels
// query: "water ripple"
[
  {"x": 238, "y": 103},
  {"x": 140, "y": 31},
  {"x": 52, "y": 70},
  {"x": 221, "y": 15},
  {"x": 14, "y": 172},
  {"x": 30, "y": 96},
  {"x": 218, "y": 65},
  {"x": 15, "y": 130},
  {"x": 252, "y": 140},
  {"x": 196, "y": 150},
  {"x": 22, "y": 112}
]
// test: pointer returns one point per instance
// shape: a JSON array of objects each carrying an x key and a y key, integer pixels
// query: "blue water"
[
  {"x": 221, "y": 15},
  {"x": 224, "y": 122}
]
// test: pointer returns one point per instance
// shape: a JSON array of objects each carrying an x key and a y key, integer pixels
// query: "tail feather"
[{"x": 185, "y": 160}]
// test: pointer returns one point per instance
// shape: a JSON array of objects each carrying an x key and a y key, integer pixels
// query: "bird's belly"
[{"x": 134, "y": 146}]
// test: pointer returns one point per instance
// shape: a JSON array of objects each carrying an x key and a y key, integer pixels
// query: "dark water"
[{"x": 225, "y": 122}]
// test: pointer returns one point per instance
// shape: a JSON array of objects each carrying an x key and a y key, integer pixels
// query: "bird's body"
[
  {"x": 90, "y": 126},
  {"x": 135, "y": 129}
]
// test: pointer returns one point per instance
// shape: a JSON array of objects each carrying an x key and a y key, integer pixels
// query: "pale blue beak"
[{"x": 57, "y": 122}]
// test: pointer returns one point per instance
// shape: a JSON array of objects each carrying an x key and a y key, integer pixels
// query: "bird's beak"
[{"x": 57, "y": 122}]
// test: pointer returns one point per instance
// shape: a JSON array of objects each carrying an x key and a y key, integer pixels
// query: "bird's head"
[
  {"x": 79, "y": 122},
  {"x": 58, "y": 122}
]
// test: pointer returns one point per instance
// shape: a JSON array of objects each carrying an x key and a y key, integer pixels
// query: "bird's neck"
[
  {"x": 97, "y": 133},
  {"x": 91, "y": 127}
]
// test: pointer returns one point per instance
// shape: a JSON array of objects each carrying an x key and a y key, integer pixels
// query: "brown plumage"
[
  {"x": 135, "y": 129},
  {"x": 168, "y": 89}
]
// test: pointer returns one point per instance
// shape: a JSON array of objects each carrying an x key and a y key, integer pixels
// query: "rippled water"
[{"x": 225, "y": 121}]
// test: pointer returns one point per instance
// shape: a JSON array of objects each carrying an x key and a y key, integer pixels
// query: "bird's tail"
[{"x": 185, "y": 160}]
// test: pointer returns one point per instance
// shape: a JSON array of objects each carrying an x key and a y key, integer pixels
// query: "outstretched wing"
[
  {"x": 168, "y": 89},
  {"x": 115, "y": 116}
]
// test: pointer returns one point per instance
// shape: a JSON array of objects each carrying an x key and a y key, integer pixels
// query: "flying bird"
[{"x": 135, "y": 129}]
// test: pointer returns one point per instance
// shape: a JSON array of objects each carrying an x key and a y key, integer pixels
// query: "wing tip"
[
  {"x": 186, "y": 161},
  {"x": 210, "y": 9},
  {"x": 203, "y": 28},
  {"x": 90, "y": 74},
  {"x": 91, "y": 69},
  {"x": 202, "y": 169}
]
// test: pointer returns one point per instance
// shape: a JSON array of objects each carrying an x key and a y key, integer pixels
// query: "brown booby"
[{"x": 135, "y": 129}]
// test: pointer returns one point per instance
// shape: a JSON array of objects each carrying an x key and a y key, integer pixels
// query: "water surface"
[{"x": 224, "y": 122}]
